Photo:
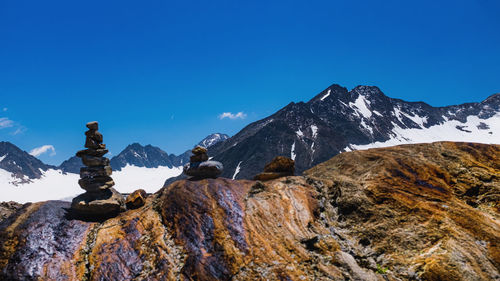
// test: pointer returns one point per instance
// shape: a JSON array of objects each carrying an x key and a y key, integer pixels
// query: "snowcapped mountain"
[
  {"x": 338, "y": 120},
  {"x": 213, "y": 139},
  {"x": 20, "y": 163},
  {"x": 142, "y": 156},
  {"x": 24, "y": 178}
]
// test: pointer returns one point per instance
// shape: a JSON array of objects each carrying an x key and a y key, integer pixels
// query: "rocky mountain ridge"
[
  {"x": 338, "y": 120},
  {"x": 20, "y": 163},
  {"x": 366, "y": 215},
  {"x": 145, "y": 156}
]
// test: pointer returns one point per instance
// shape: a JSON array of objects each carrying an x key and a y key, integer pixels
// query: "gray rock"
[
  {"x": 206, "y": 169},
  {"x": 92, "y": 172},
  {"x": 92, "y": 161},
  {"x": 106, "y": 203},
  {"x": 93, "y": 185}
]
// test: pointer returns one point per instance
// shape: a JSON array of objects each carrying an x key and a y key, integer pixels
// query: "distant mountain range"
[
  {"x": 334, "y": 121},
  {"x": 25, "y": 178},
  {"x": 338, "y": 120},
  {"x": 145, "y": 156}
]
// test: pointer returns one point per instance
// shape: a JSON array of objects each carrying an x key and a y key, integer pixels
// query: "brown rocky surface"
[
  {"x": 136, "y": 199},
  {"x": 279, "y": 167},
  {"x": 368, "y": 215}
]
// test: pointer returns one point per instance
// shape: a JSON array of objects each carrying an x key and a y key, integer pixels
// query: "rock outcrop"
[
  {"x": 100, "y": 200},
  {"x": 136, "y": 199},
  {"x": 366, "y": 215},
  {"x": 199, "y": 167},
  {"x": 280, "y": 166}
]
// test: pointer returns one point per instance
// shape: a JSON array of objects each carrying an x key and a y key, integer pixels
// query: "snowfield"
[
  {"x": 453, "y": 130},
  {"x": 56, "y": 185}
]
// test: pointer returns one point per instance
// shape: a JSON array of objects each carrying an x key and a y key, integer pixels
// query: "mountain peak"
[
  {"x": 334, "y": 90},
  {"x": 213, "y": 139}
]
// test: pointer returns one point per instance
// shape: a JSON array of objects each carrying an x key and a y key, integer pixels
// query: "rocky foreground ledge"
[{"x": 412, "y": 212}]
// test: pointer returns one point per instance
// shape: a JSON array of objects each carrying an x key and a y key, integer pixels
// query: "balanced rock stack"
[
  {"x": 280, "y": 166},
  {"x": 100, "y": 200},
  {"x": 199, "y": 167}
]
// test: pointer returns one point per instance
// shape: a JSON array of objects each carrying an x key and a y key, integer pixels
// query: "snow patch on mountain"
[
  {"x": 314, "y": 130},
  {"x": 360, "y": 106},
  {"x": 237, "y": 170},
  {"x": 292, "y": 152},
  {"x": 473, "y": 130},
  {"x": 326, "y": 95},
  {"x": 53, "y": 185}
]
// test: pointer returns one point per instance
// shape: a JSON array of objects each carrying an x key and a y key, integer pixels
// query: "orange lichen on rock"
[
  {"x": 377, "y": 214},
  {"x": 430, "y": 208}
]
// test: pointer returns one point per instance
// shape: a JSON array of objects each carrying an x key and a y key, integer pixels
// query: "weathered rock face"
[
  {"x": 427, "y": 210},
  {"x": 366, "y": 215}
]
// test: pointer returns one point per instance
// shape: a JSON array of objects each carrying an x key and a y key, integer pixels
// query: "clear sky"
[{"x": 162, "y": 72}]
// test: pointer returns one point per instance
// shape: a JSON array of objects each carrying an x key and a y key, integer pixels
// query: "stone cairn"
[
  {"x": 280, "y": 166},
  {"x": 100, "y": 200},
  {"x": 199, "y": 167}
]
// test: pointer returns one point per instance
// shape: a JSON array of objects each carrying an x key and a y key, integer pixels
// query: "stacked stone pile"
[
  {"x": 100, "y": 199},
  {"x": 280, "y": 166},
  {"x": 199, "y": 167}
]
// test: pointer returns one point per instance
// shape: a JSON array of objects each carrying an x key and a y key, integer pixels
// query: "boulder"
[
  {"x": 279, "y": 167},
  {"x": 281, "y": 164},
  {"x": 136, "y": 199},
  {"x": 103, "y": 204},
  {"x": 206, "y": 169}
]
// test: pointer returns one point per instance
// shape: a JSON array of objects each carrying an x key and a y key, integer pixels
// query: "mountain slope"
[
  {"x": 338, "y": 120},
  {"x": 20, "y": 164},
  {"x": 366, "y": 215}
]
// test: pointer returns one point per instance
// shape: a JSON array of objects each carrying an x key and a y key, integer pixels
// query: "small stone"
[
  {"x": 206, "y": 169},
  {"x": 136, "y": 199},
  {"x": 94, "y": 135},
  {"x": 90, "y": 143},
  {"x": 94, "y": 185},
  {"x": 199, "y": 150},
  {"x": 92, "y": 161},
  {"x": 93, "y": 125},
  {"x": 92, "y": 172},
  {"x": 92, "y": 152},
  {"x": 102, "y": 204},
  {"x": 198, "y": 158}
]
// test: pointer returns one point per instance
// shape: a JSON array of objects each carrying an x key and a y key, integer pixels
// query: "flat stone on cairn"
[
  {"x": 200, "y": 167},
  {"x": 280, "y": 166},
  {"x": 100, "y": 200}
]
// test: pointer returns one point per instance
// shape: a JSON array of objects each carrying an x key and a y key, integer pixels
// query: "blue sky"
[{"x": 162, "y": 72}]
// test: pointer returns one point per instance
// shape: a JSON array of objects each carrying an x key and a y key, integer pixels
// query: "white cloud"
[
  {"x": 232, "y": 116},
  {"x": 19, "y": 130},
  {"x": 37, "y": 151},
  {"x": 6, "y": 122}
]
